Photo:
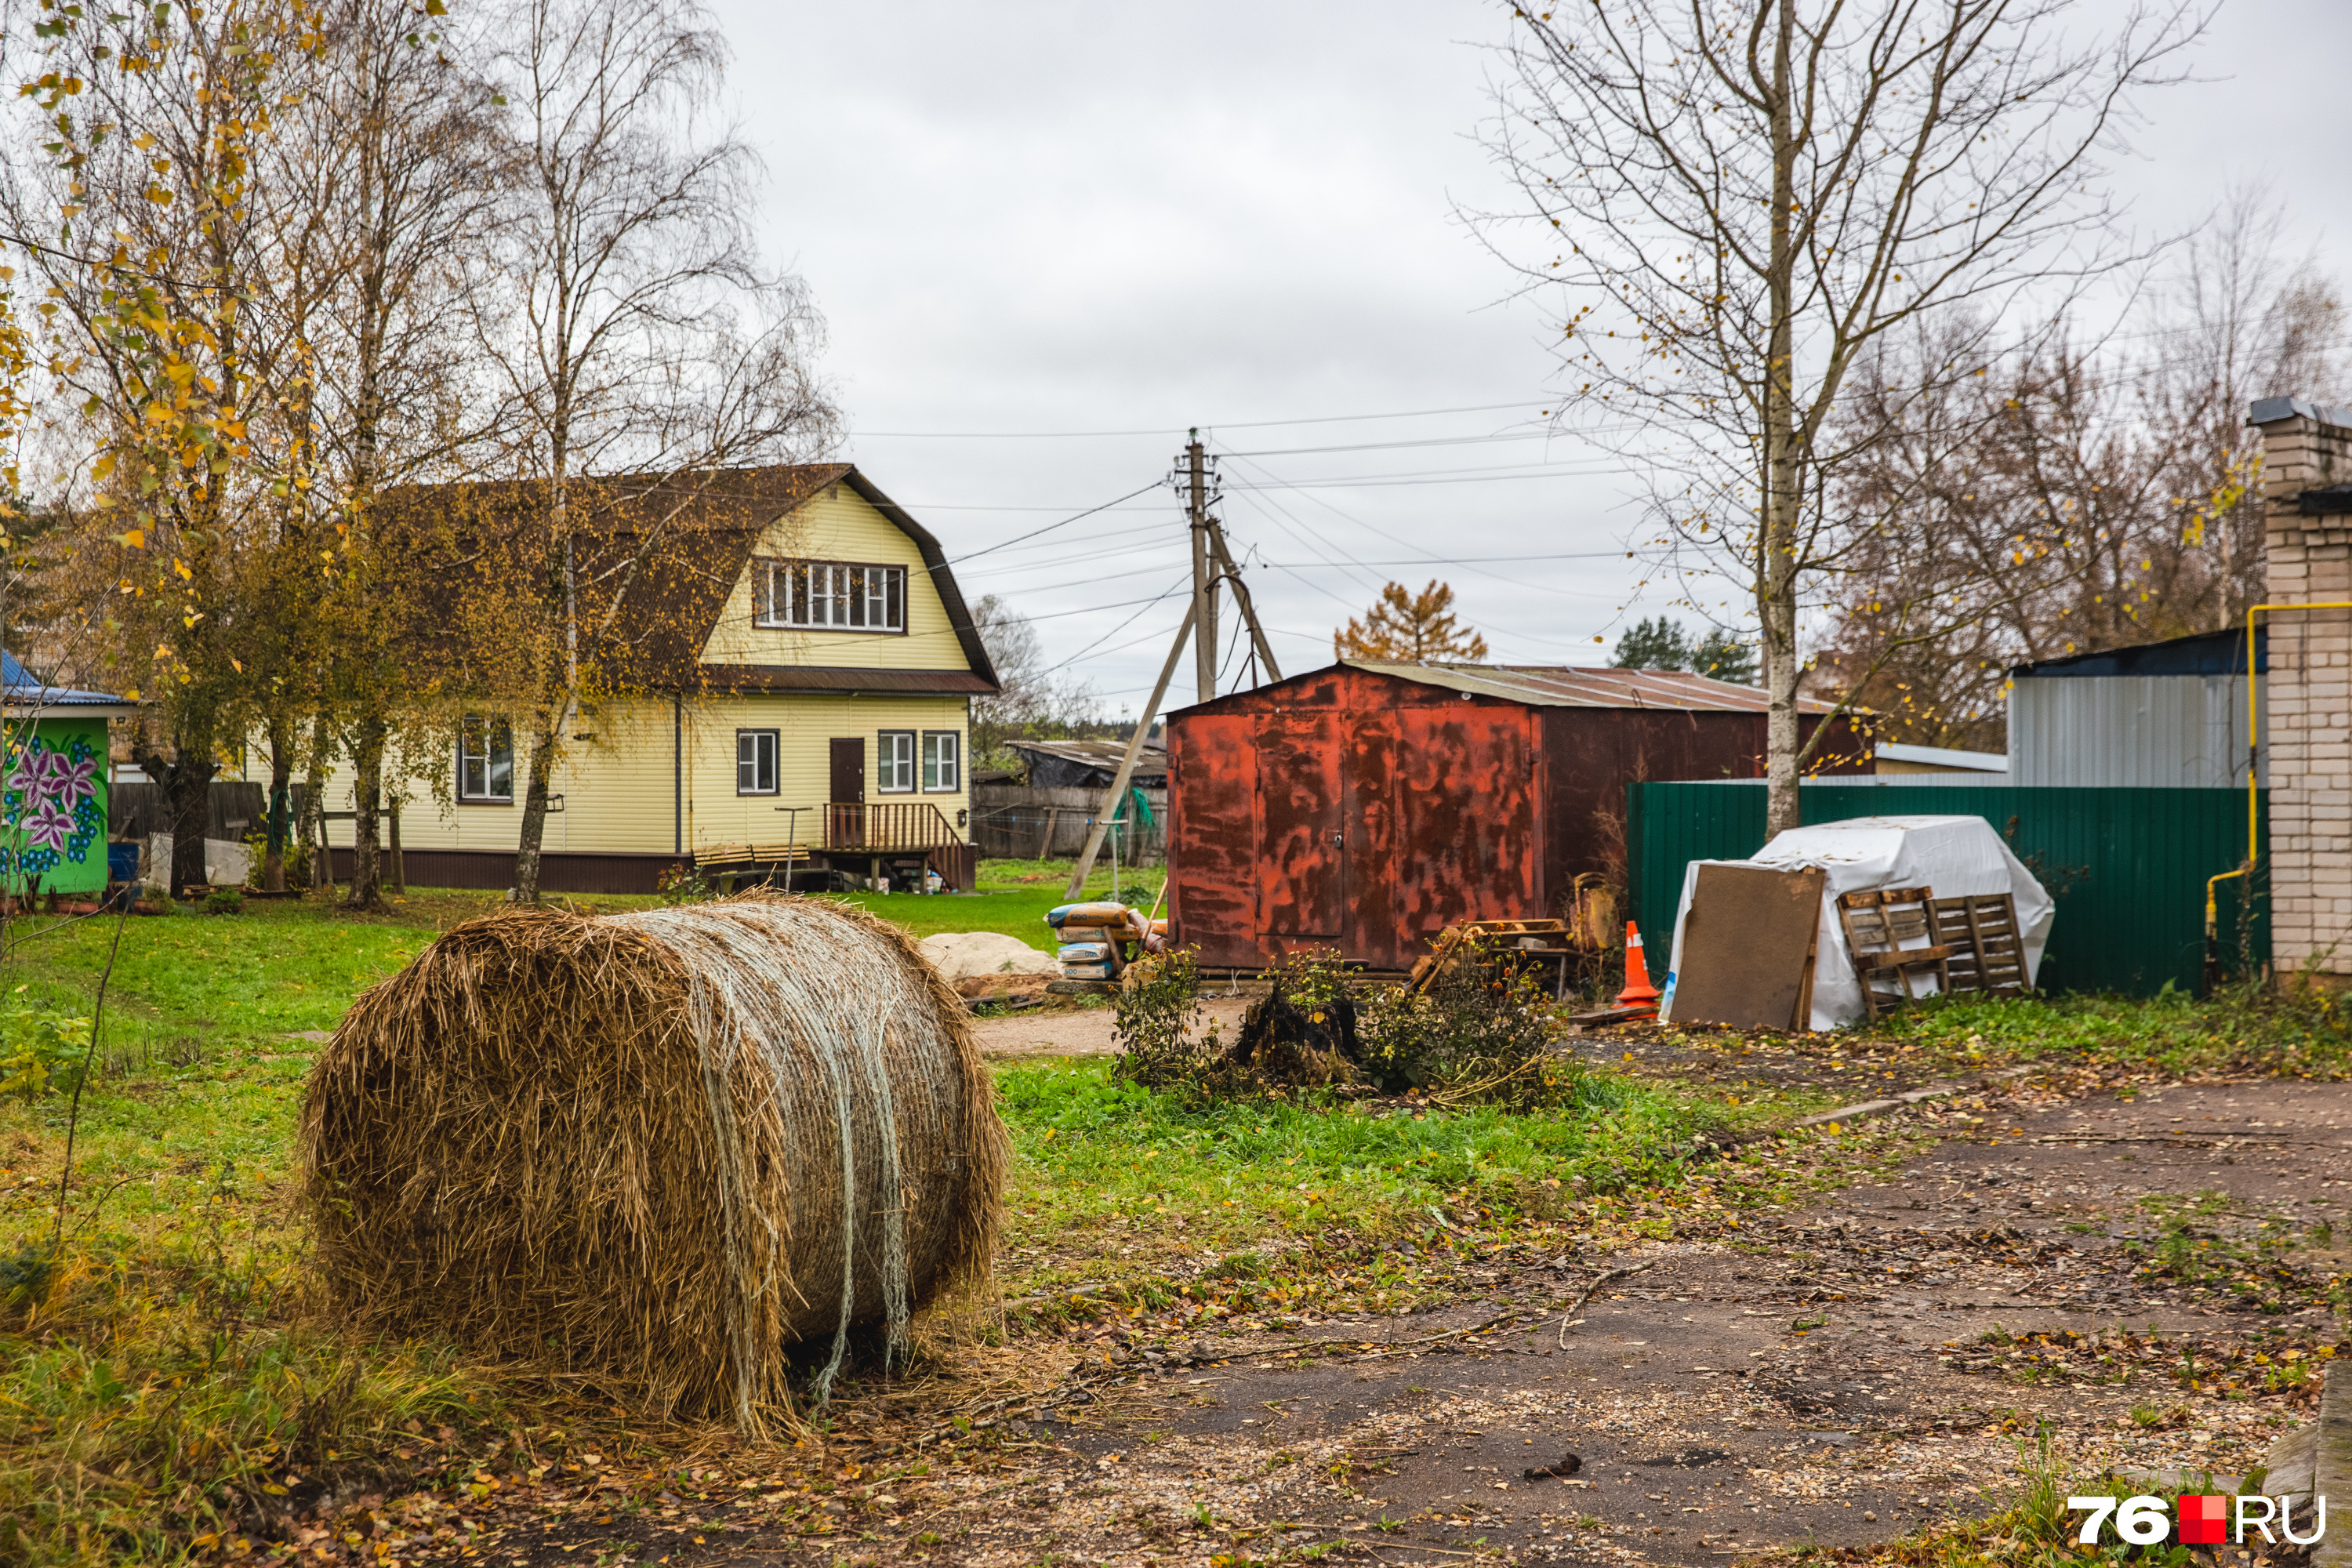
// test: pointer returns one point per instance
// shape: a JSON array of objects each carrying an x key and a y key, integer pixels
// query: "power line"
[
  {"x": 1050, "y": 526},
  {"x": 1473, "y": 559},
  {"x": 1434, "y": 476},
  {"x": 1181, "y": 584},
  {"x": 1425, "y": 441},
  {"x": 1360, "y": 523},
  {"x": 1174, "y": 429},
  {"x": 951, "y": 505}
]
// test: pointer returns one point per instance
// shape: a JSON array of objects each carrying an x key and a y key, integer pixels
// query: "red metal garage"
[{"x": 1367, "y": 806}]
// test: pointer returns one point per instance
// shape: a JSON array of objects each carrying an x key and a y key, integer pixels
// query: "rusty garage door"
[{"x": 1301, "y": 831}]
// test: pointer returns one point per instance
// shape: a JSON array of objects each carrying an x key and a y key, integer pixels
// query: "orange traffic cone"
[{"x": 1638, "y": 992}]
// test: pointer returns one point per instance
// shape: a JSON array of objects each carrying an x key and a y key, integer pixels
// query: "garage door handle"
[{"x": 1339, "y": 837}]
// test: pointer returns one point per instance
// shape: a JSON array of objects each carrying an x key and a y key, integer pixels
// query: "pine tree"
[
  {"x": 1655, "y": 644},
  {"x": 1408, "y": 627},
  {"x": 1723, "y": 655}
]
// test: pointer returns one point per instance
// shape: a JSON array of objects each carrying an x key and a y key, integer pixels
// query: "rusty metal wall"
[
  {"x": 1361, "y": 813},
  {"x": 1367, "y": 813},
  {"x": 1595, "y": 753}
]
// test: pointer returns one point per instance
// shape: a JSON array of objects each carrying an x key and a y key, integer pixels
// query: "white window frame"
[
  {"x": 894, "y": 760},
  {"x": 773, "y": 747},
  {"x": 942, "y": 762},
  {"x": 489, "y": 729},
  {"x": 831, "y": 597}
]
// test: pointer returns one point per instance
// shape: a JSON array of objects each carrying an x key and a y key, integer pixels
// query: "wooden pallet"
[
  {"x": 1988, "y": 949},
  {"x": 1878, "y": 922}
]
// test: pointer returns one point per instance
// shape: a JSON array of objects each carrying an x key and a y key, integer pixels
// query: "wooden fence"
[
  {"x": 1013, "y": 822},
  {"x": 137, "y": 810}
]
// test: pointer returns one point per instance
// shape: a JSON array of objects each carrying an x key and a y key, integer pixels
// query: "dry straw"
[{"x": 664, "y": 1147}]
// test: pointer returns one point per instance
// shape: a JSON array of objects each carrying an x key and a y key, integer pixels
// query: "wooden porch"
[{"x": 902, "y": 835}]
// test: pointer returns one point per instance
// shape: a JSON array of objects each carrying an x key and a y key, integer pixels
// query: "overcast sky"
[{"x": 1031, "y": 218}]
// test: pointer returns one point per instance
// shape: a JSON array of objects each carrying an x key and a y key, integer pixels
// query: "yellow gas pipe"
[{"x": 2253, "y": 757}]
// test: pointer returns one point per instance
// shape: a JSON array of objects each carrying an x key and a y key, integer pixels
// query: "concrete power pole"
[{"x": 1205, "y": 584}]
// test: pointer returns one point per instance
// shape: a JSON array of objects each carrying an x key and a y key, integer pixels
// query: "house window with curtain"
[
  {"x": 942, "y": 762},
  {"x": 485, "y": 761},
  {"x": 831, "y": 596},
  {"x": 755, "y": 762},
  {"x": 894, "y": 757}
]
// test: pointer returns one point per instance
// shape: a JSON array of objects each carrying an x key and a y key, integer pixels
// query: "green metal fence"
[{"x": 2127, "y": 867}]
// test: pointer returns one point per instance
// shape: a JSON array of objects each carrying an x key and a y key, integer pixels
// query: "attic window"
[{"x": 831, "y": 596}]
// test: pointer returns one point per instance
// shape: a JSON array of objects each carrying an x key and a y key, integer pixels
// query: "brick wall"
[{"x": 2310, "y": 688}]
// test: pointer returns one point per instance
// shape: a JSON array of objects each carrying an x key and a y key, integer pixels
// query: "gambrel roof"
[{"x": 709, "y": 526}]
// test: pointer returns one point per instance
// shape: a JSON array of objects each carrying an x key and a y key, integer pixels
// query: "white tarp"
[
  {"x": 1952, "y": 855},
  {"x": 227, "y": 864}
]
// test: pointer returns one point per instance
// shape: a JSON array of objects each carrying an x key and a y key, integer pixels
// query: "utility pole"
[
  {"x": 1212, "y": 562},
  {"x": 1204, "y": 582}
]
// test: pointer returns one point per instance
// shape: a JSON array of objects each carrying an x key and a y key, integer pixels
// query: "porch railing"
[{"x": 886, "y": 827}]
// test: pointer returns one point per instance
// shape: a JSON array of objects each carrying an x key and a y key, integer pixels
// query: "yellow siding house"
[{"x": 802, "y": 700}]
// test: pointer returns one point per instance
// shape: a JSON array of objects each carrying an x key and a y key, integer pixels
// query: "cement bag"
[{"x": 1952, "y": 855}]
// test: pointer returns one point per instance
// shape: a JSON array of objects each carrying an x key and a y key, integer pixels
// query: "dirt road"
[
  {"x": 1827, "y": 1376},
  {"x": 1079, "y": 1031}
]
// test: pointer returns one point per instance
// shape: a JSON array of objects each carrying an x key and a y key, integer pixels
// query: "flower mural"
[
  {"x": 53, "y": 810},
  {"x": 49, "y": 827}
]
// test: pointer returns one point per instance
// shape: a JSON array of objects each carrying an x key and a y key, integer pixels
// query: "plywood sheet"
[{"x": 1747, "y": 944}]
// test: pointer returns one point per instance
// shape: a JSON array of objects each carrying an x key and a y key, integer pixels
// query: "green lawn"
[{"x": 1013, "y": 897}]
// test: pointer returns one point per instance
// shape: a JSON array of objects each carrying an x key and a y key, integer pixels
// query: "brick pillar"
[{"x": 2306, "y": 449}]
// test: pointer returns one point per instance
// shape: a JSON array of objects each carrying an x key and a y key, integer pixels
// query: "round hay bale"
[{"x": 664, "y": 1146}]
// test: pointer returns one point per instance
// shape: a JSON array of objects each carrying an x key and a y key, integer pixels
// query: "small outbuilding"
[
  {"x": 1366, "y": 807},
  {"x": 1089, "y": 764},
  {"x": 2158, "y": 715},
  {"x": 53, "y": 740}
]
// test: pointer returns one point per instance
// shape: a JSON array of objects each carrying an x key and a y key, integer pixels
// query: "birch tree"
[
  {"x": 402, "y": 170},
  {"x": 1730, "y": 203},
  {"x": 645, "y": 345},
  {"x": 139, "y": 168}
]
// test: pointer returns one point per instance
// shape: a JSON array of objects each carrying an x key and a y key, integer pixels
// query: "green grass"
[
  {"x": 1005, "y": 903},
  {"x": 173, "y": 1364},
  {"x": 1333, "y": 1204},
  {"x": 2304, "y": 1035}
]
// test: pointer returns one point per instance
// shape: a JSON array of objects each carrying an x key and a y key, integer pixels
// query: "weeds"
[
  {"x": 2193, "y": 1248},
  {"x": 2292, "y": 1031},
  {"x": 1154, "y": 1016},
  {"x": 178, "y": 1390},
  {"x": 1481, "y": 1031},
  {"x": 40, "y": 1052}
]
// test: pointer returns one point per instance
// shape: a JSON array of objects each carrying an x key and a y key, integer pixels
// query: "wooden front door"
[{"x": 849, "y": 785}]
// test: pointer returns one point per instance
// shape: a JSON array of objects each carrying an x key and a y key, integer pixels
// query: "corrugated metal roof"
[
  {"x": 1097, "y": 753},
  {"x": 2200, "y": 653},
  {"x": 1944, "y": 757},
  {"x": 1572, "y": 686},
  {"x": 22, "y": 693}
]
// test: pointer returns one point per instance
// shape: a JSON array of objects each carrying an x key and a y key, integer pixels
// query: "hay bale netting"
[{"x": 665, "y": 1146}]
